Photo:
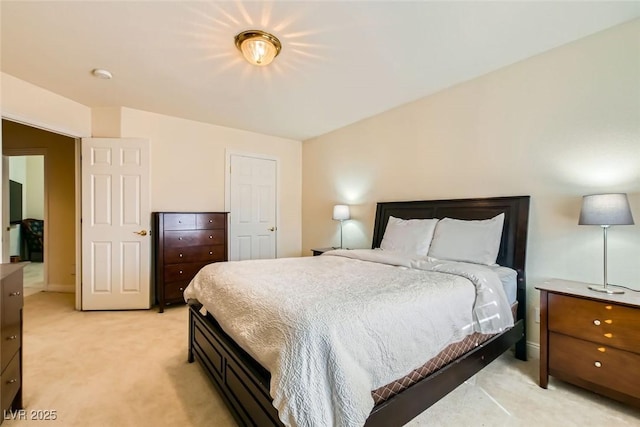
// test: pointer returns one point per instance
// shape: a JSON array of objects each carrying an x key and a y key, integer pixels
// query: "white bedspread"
[{"x": 332, "y": 328}]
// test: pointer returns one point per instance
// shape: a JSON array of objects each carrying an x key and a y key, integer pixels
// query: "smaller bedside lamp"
[
  {"x": 341, "y": 213},
  {"x": 605, "y": 210}
]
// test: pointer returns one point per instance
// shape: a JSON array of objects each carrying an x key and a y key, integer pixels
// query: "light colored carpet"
[{"x": 129, "y": 368}]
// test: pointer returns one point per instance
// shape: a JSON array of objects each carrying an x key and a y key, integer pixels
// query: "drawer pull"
[
  {"x": 180, "y": 271},
  {"x": 15, "y": 294},
  {"x": 12, "y": 337},
  {"x": 210, "y": 253},
  {"x": 180, "y": 255},
  {"x": 597, "y": 364},
  {"x": 14, "y": 380},
  {"x": 179, "y": 238},
  {"x": 596, "y": 322},
  {"x": 211, "y": 237},
  {"x": 210, "y": 221},
  {"x": 181, "y": 289}
]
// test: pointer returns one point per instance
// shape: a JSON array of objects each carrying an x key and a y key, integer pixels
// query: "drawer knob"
[
  {"x": 180, "y": 255},
  {"x": 210, "y": 253},
  {"x": 179, "y": 238},
  {"x": 180, "y": 271},
  {"x": 12, "y": 337},
  {"x": 597, "y": 364},
  {"x": 11, "y": 381},
  {"x": 15, "y": 294},
  {"x": 181, "y": 289},
  {"x": 179, "y": 221},
  {"x": 210, "y": 220},
  {"x": 211, "y": 237},
  {"x": 596, "y": 322}
]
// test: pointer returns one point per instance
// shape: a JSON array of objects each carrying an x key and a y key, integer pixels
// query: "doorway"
[
  {"x": 56, "y": 153},
  {"x": 27, "y": 217}
]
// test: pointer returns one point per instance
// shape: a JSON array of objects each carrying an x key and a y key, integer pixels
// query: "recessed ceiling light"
[{"x": 101, "y": 74}]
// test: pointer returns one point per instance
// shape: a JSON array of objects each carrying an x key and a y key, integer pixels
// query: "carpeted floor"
[{"x": 129, "y": 368}]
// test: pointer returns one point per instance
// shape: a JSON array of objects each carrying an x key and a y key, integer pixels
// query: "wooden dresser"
[
  {"x": 183, "y": 243},
  {"x": 590, "y": 339},
  {"x": 11, "y": 300}
]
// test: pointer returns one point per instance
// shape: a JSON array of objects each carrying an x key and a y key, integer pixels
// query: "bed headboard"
[{"x": 513, "y": 245}]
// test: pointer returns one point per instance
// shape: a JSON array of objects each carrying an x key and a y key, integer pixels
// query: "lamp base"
[{"x": 605, "y": 289}]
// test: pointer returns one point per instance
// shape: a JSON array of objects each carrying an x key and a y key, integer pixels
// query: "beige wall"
[
  {"x": 188, "y": 164},
  {"x": 23, "y": 102},
  {"x": 60, "y": 182},
  {"x": 555, "y": 127},
  {"x": 188, "y": 167}
]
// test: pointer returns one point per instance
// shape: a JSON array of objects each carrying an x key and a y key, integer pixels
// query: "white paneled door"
[
  {"x": 252, "y": 200},
  {"x": 115, "y": 224}
]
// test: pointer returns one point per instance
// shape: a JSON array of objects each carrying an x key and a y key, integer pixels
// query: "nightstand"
[
  {"x": 320, "y": 251},
  {"x": 590, "y": 339}
]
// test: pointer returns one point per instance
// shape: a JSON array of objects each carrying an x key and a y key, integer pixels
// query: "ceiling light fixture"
[
  {"x": 258, "y": 47},
  {"x": 101, "y": 74}
]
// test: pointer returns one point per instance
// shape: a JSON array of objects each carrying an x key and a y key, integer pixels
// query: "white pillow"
[
  {"x": 468, "y": 241},
  {"x": 411, "y": 236}
]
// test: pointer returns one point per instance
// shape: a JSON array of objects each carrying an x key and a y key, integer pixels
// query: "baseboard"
[
  {"x": 52, "y": 287},
  {"x": 533, "y": 350}
]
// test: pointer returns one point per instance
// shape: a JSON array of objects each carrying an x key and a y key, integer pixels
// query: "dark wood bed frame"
[{"x": 244, "y": 384}]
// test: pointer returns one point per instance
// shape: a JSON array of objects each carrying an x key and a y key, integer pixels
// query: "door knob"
[
  {"x": 272, "y": 229},
  {"x": 141, "y": 232}
]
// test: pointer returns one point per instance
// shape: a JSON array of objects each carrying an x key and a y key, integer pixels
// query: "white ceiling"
[{"x": 341, "y": 61}]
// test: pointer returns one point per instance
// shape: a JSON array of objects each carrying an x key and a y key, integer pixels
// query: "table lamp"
[
  {"x": 605, "y": 210},
  {"x": 341, "y": 213}
]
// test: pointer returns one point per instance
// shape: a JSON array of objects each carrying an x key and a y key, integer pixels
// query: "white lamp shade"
[
  {"x": 341, "y": 212},
  {"x": 605, "y": 209}
]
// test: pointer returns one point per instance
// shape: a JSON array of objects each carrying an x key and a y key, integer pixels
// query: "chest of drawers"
[
  {"x": 11, "y": 301},
  {"x": 183, "y": 243},
  {"x": 590, "y": 340}
]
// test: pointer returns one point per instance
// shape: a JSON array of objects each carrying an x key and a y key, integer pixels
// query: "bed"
[{"x": 245, "y": 384}]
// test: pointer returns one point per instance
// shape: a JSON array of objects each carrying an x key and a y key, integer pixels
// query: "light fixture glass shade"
[
  {"x": 257, "y": 47},
  {"x": 341, "y": 212},
  {"x": 605, "y": 209}
]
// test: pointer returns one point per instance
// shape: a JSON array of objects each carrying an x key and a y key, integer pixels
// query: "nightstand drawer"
[
  {"x": 598, "y": 364},
  {"x": 602, "y": 322}
]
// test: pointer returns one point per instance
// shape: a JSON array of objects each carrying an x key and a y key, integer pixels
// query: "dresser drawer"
[
  {"x": 194, "y": 254},
  {"x": 11, "y": 342},
  {"x": 211, "y": 221},
  {"x": 179, "y": 272},
  {"x": 596, "y": 363},
  {"x": 10, "y": 382},
  {"x": 179, "y": 221},
  {"x": 12, "y": 300},
  {"x": 180, "y": 239},
  {"x": 174, "y": 291},
  {"x": 602, "y": 322}
]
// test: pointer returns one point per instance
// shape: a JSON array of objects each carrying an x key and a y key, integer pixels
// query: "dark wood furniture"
[
  {"x": 320, "y": 251},
  {"x": 244, "y": 384},
  {"x": 11, "y": 342},
  {"x": 183, "y": 243},
  {"x": 590, "y": 339}
]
